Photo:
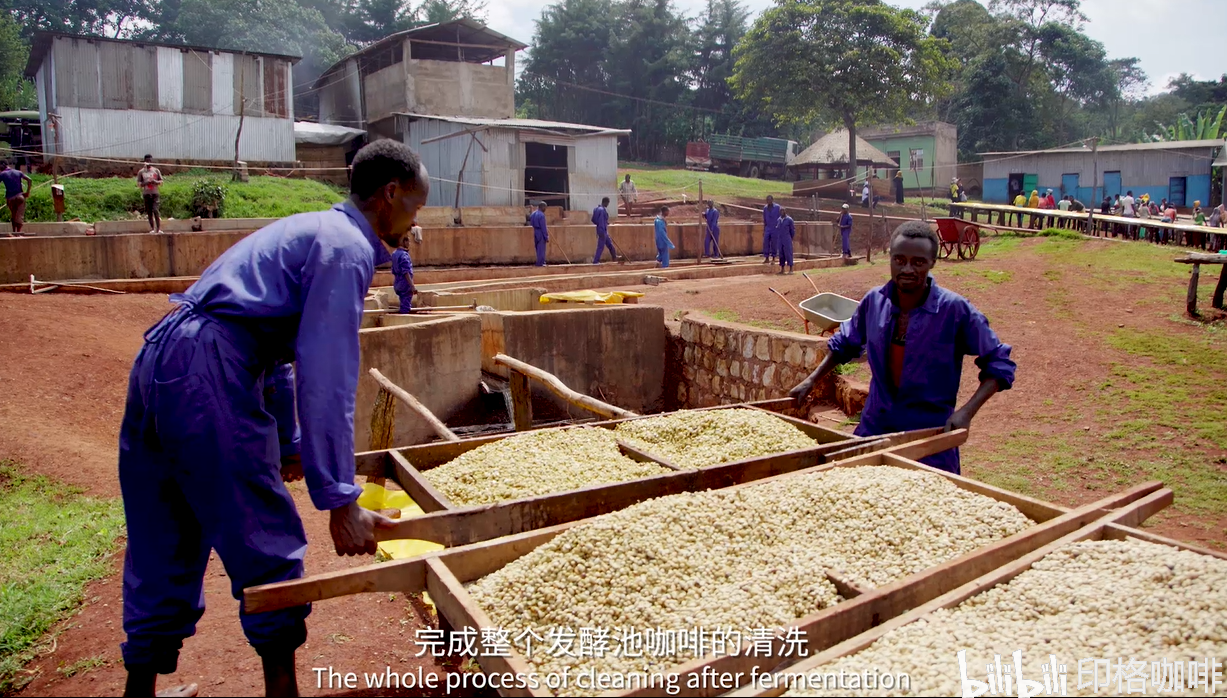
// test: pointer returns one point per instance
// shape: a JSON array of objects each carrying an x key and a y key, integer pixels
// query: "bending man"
[
  {"x": 916, "y": 334},
  {"x": 199, "y": 454}
]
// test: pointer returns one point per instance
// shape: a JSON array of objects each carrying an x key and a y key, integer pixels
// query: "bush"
[{"x": 208, "y": 198}]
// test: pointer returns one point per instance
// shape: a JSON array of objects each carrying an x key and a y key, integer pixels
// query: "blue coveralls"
[
  {"x": 199, "y": 446},
  {"x": 939, "y": 334},
  {"x": 771, "y": 221},
  {"x": 541, "y": 235},
  {"x": 402, "y": 264},
  {"x": 663, "y": 243},
  {"x": 784, "y": 233},
  {"x": 711, "y": 241},
  {"x": 600, "y": 218},
  {"x": 845, "y": 232},
  {"x": 279, "y": 401}
]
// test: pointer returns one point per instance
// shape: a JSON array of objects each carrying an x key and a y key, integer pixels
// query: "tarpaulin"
[{"x": 590, "y": 296}]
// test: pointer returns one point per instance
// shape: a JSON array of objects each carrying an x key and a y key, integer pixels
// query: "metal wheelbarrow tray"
[{"x": 828, "y": 310}]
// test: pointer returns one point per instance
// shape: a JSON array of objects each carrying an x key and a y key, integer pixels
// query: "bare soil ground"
[{"x": 1115, "y": 386}]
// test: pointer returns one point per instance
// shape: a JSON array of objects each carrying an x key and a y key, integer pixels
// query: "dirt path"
[
  {"x": 66, "y": 361},
  {"x": 1113, "y": 387}
]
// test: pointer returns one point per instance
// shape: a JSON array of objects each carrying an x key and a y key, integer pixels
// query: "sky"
[{"x": 1155, "y": 31}]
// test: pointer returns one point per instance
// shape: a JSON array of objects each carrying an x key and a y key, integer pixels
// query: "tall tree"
[
  {"x": 721, "y": 26},
  {"x": 439, "y": 11},
  {"x": 846, "y": 62},
  {"x": 567, "y": 63},
  {"x": 16, "y": 92},
  {"x": 114, "y": 18}
]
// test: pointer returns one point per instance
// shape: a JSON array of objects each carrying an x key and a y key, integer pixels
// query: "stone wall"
[{"x": 718, "y": 363}]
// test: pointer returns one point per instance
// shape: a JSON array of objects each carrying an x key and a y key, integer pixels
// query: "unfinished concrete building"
[{"x": 448, "y": 90}]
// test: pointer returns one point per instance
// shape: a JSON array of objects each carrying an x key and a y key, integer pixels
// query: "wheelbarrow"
[
  {"x": 828, "y": 311},
  {"x": 958, "y": 235}
]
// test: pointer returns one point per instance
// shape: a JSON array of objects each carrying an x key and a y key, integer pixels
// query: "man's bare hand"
[
  {"x": 801, "y": 391},
  {"x": 291, "y": 468},
  {"x": 959, "y": 420},
  {"x": 353, "y": 529}
]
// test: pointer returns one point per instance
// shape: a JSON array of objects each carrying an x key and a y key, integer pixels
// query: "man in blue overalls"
[
  {"x": 711, "y": 241},
  {"x": 785, "y": 231},
  {"x": 916, "y": 334},
  {"x": 600, "y": 218},
  {"x": 199, "y": 447},
  {"x": 402, "y": 276},
  {"x": 771, "y": 220},
  {"x": 541, "y": 233}
]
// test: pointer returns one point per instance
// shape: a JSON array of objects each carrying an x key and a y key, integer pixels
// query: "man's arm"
[
  {"x": 993, "y": 358},
  {"x": 327, "y": 381},
  {"x": 279, "y": 402},
  {"x": 845, "y": 345},
  {"x": 29, "y": 183}
]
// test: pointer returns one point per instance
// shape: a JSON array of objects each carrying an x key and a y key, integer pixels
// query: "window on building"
[
  {"x": 896, "y": 156},
  {"x": 275, "y": 88},
  {"x": 247, "y": 80},
  {"x": 198, "y": 82},
  {"x": 916, "y": 159}
]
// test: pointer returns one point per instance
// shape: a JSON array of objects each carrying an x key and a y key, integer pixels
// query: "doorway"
[
  {"x": 1176, "y": 187},
  {"x": 1111, "y": 184},
  {"x": 545, "y": 174},
  {"x": 1016, "y": 186}
]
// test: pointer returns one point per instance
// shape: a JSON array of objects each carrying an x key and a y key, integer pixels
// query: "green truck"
[{"x": 760, "y": 158}]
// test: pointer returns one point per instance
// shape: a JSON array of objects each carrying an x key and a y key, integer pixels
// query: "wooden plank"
[
  {"x": 383, "y": 420},
  {"x": 1220, "y": 288},
  {"x": 455, "y": 604},
  {"x": 1094, "y": 530},
  {"x": 521, "y": 401},
  {"x": 408, "y": 576},
  {"x": 644, "y": 457},
  {"x": 843, "y": 585},
  {"x": 417, "y": 487},
  {"x": 1202, "y": 258},
  {"x": 816, "y": 432},
  {"x": 849, "y": 619},
  {"x": 1191, "y": 299},
  {"x": 406, "y": 397},
  {"x": 560, "y": 389}
]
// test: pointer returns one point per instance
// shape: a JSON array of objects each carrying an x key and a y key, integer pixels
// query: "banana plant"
[{"x": 1185, "y": 129}]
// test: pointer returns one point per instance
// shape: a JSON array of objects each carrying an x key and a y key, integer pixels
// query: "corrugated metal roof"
[
  {"x": 832, "y": 149},
  {"x": 1161, "y": 145},
  {"x": 43, "y": 39},
  {"x": 324, "y": 134},
  {"x": 519, "y": 123}
]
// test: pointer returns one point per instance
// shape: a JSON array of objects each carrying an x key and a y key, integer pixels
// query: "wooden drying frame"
[
  {"x": 447, "y": 572},
  {"x": 1117, "y": 525},
  {"x": 474, "y": 525}
]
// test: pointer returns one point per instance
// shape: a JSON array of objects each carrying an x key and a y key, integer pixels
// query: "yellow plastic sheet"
[
  {"x": 375, "y": 498},
  {"x": 590, "y": 296}
]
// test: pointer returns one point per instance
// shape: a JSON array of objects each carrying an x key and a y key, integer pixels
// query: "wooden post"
[
  {"x": 383, "y": 419},
  {"x": 404, "y": 396},
  {"x": 560, "y": 389},
  {"x": 521, "y": 402},
  {"x": 242, "y": 113},
  {"x": 1191, "y": 301},
  {"x": 1220, "y": 288}
]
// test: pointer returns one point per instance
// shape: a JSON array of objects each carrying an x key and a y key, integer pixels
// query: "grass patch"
[
  {"x": 673, "y": 183},
  {"x": 82, "y": 665},
  {"x": 725, "y": 315},
  {"x": 117, "y": 198},
  {"x": 53, "y": 541}
]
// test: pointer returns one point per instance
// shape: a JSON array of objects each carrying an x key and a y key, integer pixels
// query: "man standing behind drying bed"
[
  {"x": 150, "y": 181},
  {"x": 916, "y": 334},
  {"x": 600, "y": 218},
  {"x": 541, "y": 233},
  {"x": 771, "y": 221}
]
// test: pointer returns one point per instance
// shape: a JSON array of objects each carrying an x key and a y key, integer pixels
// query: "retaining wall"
[{"x": 140, "y": 256}]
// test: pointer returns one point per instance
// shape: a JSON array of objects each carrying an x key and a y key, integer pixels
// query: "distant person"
[
  {"x": 1199, "y": 216},
  {"x": 962, "y": 191},
  {"x": 1076, "y": 206},
  {"x": 771, "y": 219},
  {"x": 845, "y": 230},
  {"x": 916, "y": 334},
  {"x": 785, "y": 232},
  {"x": 1169, "y": 214},
  {"x": 21, "y": 143},
  {"x": 1063, "y": 205},
  {"x": 1020, "y": 201},
  {"x": 402, "y": 275},
  {"x": 663, "y": 243},
  {"x": 1217, "y": 215},
  {"x": 711, "y": 220},
  {"x": 628, "y": 193},
  {"x": 898, "y": 186},
  {"x": 600, "y": 218},
  {"x": 954, "y": 189},
  {"x": 149, "y": 179},
  {"x": 1052, "y": 201},
  {"x": 865, "y": 195},
  {"x": 1105, "y": 207},
  {"x": 1034, "y": 202},
  {"x": 1128, "y": 206},
  {"x": 541, "y": 233},
  {"x": 14, "y": 195}
]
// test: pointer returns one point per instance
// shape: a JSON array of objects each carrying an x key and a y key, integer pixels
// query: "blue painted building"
[{"x": 1178, "y": 171}]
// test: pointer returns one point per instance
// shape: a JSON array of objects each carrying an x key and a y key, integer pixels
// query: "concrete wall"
[
  {"x": 438, "y": 361},
  {"x": 613, "y": 353},
  {"x": 386, "y": 91},
  {"x": 451, "y": 88},
  {"x": 141, "y": 256}
]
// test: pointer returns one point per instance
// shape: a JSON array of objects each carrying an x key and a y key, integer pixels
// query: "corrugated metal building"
[
  {"x": 110, "y": 98},
  {"x": 1178, "y": 171},
  {"x": 508, "y": 162},
  {"x": 440, "y": 89}
]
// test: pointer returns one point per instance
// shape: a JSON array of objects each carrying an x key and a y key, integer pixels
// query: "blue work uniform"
[
  {"x": 663, "y": 243},
  {"x": 402, "y": 264},
  {"x": 199, "y": 446},
  {"x": 771, "y": 220},
  {"x": 940, "y": 332},
  {"x": 541, "y": 235},
  {"x": 280, "y": 403},
  {"x": 711, "y": 241},
  {"x": 600, "y": 218},
  {"x": 784, "y": 233},
  {"x": 845, "y": 232}
]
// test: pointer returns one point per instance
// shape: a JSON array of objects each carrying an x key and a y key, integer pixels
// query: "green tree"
[
  {"x": 721, "y": 27},
  {"x": 114, "y": 18},
  {"x": 439, "y": 11},
  {"x": 16, "y": 92},
  {"x": 568, "y": 62},
  {"x": 846, "y": 62}
]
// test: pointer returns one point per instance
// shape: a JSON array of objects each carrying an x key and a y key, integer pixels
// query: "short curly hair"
[
  {"x": 380, "y": 162},
  {"x": 918, "y": 230}
]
